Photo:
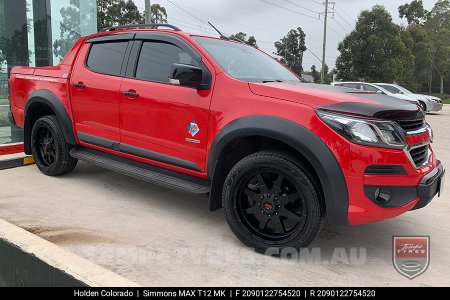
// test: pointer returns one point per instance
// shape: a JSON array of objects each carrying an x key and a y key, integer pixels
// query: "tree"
[
  {"x": 328, "y": 78},
  {"x": 374, "y": 50},
  {"x": 438, "y": 28},
  {"x": 117, "y": 12},
  {"x": 414, "y": 12},
  {"x": 243, "y": 38},
  {"x": 418, "y": 42},
  {"x": 159, "y": 14},
  {"x": 70, "y": 27},
  {"x": 315, "y": 74},
  {"x": 290, "y": 49}
]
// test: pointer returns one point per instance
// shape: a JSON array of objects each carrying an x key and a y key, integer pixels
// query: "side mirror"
[
  {"x": 189, "y": 76},
  {"x": 380, "y": 92},
  {"x": 401, "y": 92}
]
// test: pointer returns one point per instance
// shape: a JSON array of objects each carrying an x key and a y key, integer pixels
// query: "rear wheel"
[
  {"x": 271, "y": 202},
  {"x": 50, "y": 150}
]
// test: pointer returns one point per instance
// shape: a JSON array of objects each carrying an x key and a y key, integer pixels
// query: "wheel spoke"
[
  {"x": 290, "y": 215},
  {"x": 261, "y": 184},
  {"x": 251, "y": 209},
  {"x": 286, "y": 199},
  {"x": 263, "y": 220},
  {"x": 277, "y": 184},
  {"x": 255, "y": 197},
  {"x": 277, "y": 224}
]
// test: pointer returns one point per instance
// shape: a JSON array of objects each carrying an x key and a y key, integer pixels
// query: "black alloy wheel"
[{"x": 46, "y": 145}]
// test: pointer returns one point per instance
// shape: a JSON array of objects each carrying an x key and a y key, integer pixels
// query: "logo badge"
[
  {"x": 193, "y": 128},
  {"x": 411, "y": 255}
]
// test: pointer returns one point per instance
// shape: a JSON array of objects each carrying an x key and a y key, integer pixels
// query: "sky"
[{"x": 270, "y": 20}]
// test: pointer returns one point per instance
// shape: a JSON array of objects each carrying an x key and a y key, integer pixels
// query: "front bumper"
[
  {"x": 434, "y": 106},
  {"x": 383, "y": 183},
  {"x": 430, "y": 185}
]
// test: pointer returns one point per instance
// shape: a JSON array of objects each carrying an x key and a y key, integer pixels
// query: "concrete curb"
[
  {"x": 14, "y": 161},
  {"x": 81, "y": 270}
]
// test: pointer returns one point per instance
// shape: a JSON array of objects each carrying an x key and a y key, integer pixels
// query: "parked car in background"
[
  {"x": 371, "y": 87},
  {"x": 428, "y": 103}
]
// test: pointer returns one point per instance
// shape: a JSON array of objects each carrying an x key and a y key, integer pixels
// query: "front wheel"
[
  {"x": 50, "y": 150},
  {"x": 423, "y": 106},
  {"x": 271, "y": 203}
]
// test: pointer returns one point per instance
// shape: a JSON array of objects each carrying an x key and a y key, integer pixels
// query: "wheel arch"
[
  {"x": 39, "y": 104},
  {"x": 291, "y": 136}
]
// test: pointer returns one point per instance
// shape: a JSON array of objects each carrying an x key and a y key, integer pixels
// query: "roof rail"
[{"x": 153, "y": 26}]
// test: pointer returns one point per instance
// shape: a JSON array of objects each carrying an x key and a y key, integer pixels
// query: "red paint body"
[{"x": 157, "y": 120}]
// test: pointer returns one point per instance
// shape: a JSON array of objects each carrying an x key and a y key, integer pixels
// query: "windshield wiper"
[{"x": 275, "y": 80}]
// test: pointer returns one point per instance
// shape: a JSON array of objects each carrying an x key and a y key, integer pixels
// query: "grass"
[{"x": 445, "y": 97}]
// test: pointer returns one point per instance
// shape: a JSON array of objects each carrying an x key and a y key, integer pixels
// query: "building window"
[{"x": 37, "y": 33}]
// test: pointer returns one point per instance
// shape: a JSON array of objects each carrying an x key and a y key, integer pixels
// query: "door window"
[
  {"x": 157, "y": 58},
  {"x": 106, "y": 58}
]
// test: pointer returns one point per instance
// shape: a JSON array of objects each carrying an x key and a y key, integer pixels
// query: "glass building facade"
[{"x": 37, "y": 33}]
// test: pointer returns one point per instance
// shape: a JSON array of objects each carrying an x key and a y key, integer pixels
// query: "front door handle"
[
  {"x": 131, "y": 94},
  {"x": 79, "y": 85}
]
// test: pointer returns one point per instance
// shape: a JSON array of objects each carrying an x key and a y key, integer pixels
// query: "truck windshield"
[{"x": 245, "y": 63}]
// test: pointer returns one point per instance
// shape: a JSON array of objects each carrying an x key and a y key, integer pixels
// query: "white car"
[
  {"x": 371, "y": 87},
  {"x": 428, "y": 103}
]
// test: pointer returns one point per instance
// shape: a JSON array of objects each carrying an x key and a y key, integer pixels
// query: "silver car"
[
  {"x": 428, "y": 103},
  {"x": 371, "y": 87}
]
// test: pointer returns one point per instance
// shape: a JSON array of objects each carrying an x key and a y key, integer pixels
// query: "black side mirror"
[{"x": 189, "y": 76}]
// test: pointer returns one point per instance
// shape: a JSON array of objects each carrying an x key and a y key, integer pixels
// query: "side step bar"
[{"x": 142, "y": 171}]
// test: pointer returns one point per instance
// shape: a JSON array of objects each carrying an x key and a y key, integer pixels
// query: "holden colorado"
[{"x": 217, "y": 117}]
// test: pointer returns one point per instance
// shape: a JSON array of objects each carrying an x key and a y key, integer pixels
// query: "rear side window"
[
  {"x": 157, "y": 58},
  {"x": 106, "y": 58}
]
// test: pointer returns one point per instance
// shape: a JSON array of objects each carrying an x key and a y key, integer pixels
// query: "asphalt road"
[{"x": 155, "y": 236}]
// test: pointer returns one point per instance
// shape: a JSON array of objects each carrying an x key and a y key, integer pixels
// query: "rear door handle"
[
  {"x": 79, "y": 85},
  {"x": 131, "y": 94}
]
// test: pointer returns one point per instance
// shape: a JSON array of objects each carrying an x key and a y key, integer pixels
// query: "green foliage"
[
  {"x": 374, "y": 51},
  {"x": 70, "y": 28},
  {"x": 315, "y": 74},
  {"x": 419, "y": 43},
  {"x": 117, "y": 12},
  {"x": 290, "y": 49},
  {"x": 414, "y": 12},
  {"x": 438, "y": 27},
  {"x": 243, "y": 38},
  {"x": 159, "y": 14}
]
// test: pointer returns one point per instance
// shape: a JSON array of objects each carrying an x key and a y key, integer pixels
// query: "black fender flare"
[
  {"x": 305, "y": 142},
  {"x": 51, "y": 100}
]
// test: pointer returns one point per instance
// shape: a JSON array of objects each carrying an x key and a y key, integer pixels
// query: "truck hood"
[{"x": 340, "y": 99}]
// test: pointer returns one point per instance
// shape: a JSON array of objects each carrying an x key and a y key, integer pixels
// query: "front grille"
[
  {"x": 411, "y": 124},
  {"x": 419, "y": 155}
]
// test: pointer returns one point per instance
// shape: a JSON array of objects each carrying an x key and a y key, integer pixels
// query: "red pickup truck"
[{"x": 217, "y": 117}]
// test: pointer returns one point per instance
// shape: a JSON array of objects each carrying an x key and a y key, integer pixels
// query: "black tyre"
[
  {"x": 423, "y": 105},
  {"x": 50, "y": 150},
  {"x": 271, "y": 202}
]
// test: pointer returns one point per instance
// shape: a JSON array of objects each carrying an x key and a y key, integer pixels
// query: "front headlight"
[{"x": 370, "y": 132}]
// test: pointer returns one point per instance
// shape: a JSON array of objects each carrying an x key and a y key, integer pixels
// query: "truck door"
[
  {"x": 160, "y": 121},
  {"x": 94, "y": 91}
]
